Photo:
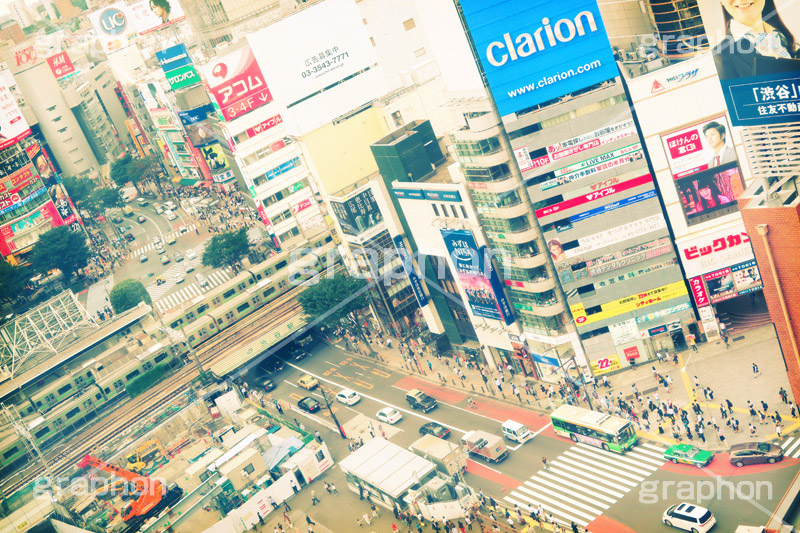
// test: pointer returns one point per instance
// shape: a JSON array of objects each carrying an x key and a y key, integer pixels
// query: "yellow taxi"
[{"x": 308, "y": 382}]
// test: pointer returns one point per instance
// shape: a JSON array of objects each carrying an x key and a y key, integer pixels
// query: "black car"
[
  {"x": 308, "y": 404},
  {"x": 271, "y": 365},
  {"x": 129, "y": 237},
  {"x": 419, "y": 400},
  {"x": 265, "y": 383},
  {"x": 437, "y": 430}
]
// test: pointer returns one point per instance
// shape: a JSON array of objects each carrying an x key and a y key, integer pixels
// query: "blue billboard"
[
  {"x": 478, "y": 277},
  {"x": 173, "y": 57},
  {"x": 538, "y": 50},
  {"x": 408, "y": 267}
]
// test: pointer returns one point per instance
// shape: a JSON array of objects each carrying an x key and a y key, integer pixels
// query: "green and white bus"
[{"x": 593, "y": 427}]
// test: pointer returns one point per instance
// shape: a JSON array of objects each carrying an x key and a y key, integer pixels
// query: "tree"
[
  {"x": 62, "y": 249},
  {"x": 134, "y": 170},
  {"x": 101, "y": 199},
  {"x": 337, "y": 300},
  {"x": 79, "y": 189},
  {"x": 226, "y": 249},
  {"x": 12, "y": 281},
  {"x": 127, "y": 294}
]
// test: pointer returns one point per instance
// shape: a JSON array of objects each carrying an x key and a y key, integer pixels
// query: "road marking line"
[
  {"x": 334, "y": 364},
  {"x": 554, "y": 503},
  {"x": 600, "y": 463},
  {"x": 785, "y": 443},
  {"x": 589, "y": 466},
  {"x": 374, "y": 399},
  {"x": 576, "y": 483},
  {"x": 580, "y": 495}
]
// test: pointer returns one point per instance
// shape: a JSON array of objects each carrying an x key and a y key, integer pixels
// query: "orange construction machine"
[{"x": 152, "y": 495}]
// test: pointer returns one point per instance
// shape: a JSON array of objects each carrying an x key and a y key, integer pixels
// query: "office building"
[{"x": 21, "y": 13}]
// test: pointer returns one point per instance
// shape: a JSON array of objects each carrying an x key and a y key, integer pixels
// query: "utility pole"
[
  {"x": 181, "y": 337},
  {"x": 333, "y": 416}
]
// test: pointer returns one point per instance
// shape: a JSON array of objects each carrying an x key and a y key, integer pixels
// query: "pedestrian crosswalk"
[
  {"x": 791, "y": 447},
  {"x": 164, "y": 302},
  {"x": 583, "y": 482},
  {"x": 150, "y": 246}
]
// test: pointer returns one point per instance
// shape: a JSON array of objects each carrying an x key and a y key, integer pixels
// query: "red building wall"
[{"x": 784, "y": 241}]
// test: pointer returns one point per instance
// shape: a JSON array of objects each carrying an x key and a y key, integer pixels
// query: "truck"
[
  {"x": 482, "y": 444},
  {"x": 419, "y": 400},
  {"x": 153, "y": 496},
  {"x": 449, "y": 458}
]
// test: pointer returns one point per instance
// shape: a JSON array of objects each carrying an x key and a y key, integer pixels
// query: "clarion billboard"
[{"x": 535, "y": 51}]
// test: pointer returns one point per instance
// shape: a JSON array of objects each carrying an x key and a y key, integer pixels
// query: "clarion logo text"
[{"x": 498, "y": 53}]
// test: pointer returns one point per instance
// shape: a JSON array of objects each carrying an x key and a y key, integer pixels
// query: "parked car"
[
  {"x": 689, "y": 517},
  {"x": 178, "y": 257},
  {"x": 390, "y": 415},
  {"x": 751, "y": 453},
  {"x": 309, "y": 405},
  {"x": 348, "y": 397},
  {"x": 688, "y": 454},
  {"x": 141, "y": 219},
  {"x": 265, "y": 383},
  {"x": 271, "y": 365},
  {"x": 308, "y": 382},
  {"x": 142, "y": 258},
  {"x": 435, "y": 429}
]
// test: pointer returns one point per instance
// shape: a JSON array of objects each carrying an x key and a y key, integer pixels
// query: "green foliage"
[
  {"x": 80, "y": 4},
  {"x": 334, "y": 298},
  {"x": 137, "y": 386},
  {"x": 79, "y": 189},
  {"x": 128, "y": 169},
  {"x": 62, "y": 249},
  {"x": 226, "y": 249},
  {"x": 12, "y": 281},
  {"x": 101, "y": 199},
  {"x": 127, "y": 294}
]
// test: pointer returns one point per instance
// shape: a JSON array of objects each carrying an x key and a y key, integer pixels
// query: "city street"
[
  {"x": 596, "y": 489},
  {"x": 188, "y": 234}
]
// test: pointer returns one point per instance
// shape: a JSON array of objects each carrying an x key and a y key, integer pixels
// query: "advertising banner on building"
[
  {"x": 562, "y": 251},
  {"x": 593, "y": 139},
  {"x": 173, "y": 57},
  {"x": 182, "y": 77},
  {"x": 197, "y": 128},
  {"x": 629, "y": 303},
  {"x": 313, "y": 49},
  {"x": 358, "y": 213},
  {"x": 754, "y": 50},
  {"x": 411, "y": 272},
  {"x": 152, "y": 15},
  {"x": 699, "y": 147},
  {"x": 61, "y": 65},
  {"x": 13, "y": 236},
  {"x": 153, "y": 96},
  {"x": 476, "y": 275},
  {"x": 236, "y": 82},
  {"x": 595, "y": 165},
  {"x": 13, "y": 126},
  {"x": 593, "y": 196},
  {"x": 533, "y": 52},
  {"x": 715, "y": 250},
  {"x": 215, "y": 158},
  {"x": 114, "y": 26}
]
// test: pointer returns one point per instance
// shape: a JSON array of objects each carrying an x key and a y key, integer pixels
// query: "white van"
[
  {"x": 517, "y": 432},
  {"x": 348, "y": 397}
]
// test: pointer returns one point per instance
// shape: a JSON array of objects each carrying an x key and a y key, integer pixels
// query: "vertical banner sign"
[
  {"x": 476, "y": 276},
  {"x": 61, "y": 65},
  {"x": 756, "y": 55},
  {"x": 237, "y": 84},
  {"x": 408, "y": 267},
  {"x": 539, "y": 50},
  {"x": 13, "y": 126}
]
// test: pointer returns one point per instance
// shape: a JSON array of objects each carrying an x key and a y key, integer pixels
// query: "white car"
[
  {"x": 169, "y": 204},
  {"x": 348, "y": 397},
  {"x": 189, "y": 267},
  {"x": 190, "y": 254},
  {"x": 390, "y": 415},
  {"x": 169, "y": 215},
  {"x": 156, "y": 240},
  {"x": 180, "y": 277},
  {"x": 689, "y": 517}
]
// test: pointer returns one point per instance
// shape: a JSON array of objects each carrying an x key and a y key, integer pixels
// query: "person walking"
[
  {"x": 314, "y": 499},
  {"x": 545, "y": 464},
  {"x": 756, "y": 372}
]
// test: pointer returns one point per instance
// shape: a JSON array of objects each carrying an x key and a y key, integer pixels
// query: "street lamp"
[
  {"x": 333, "y": 416},
  {"x": 566, "y": 376}
]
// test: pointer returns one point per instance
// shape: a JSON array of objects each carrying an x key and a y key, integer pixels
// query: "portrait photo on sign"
[
  {"x": 752, "y": 38},
  {"x": 710, "y": 190}
]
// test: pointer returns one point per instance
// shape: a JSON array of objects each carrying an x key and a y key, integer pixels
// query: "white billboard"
[
  {"x": 151, "y": 15},
  {"x": 313, "y": 49},
  {"x": 13, "y": 126},
  {"x": 725, "y": 246},
  {"x": 114, "y": 26}
]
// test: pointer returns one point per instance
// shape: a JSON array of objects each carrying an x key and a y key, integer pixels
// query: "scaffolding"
[{"x": 42, "y": 332}]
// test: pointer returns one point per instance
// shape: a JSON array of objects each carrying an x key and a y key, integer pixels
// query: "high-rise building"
[
  {"x": 21, "y": 13},
  {"x": 11, "y": 31},
  {"x": 66, "y": 10},
  {"x": 679, "y": 27}
]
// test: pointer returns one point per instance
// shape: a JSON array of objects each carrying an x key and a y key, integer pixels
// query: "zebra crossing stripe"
[
  {"x": 530, "y": 502},
  {"x": 792, "y": 449},
  {"x": 582, "y": 472},
  {"x": 617, "y": 464},
  {"x": 547, "y": 500},
  {"x": 785, "y": 443},
  {"x": 649, "y": 455},
  {"x": 583, "y": 485},
  {"x": 598, "y": 463},
  {"x": 580, "y": 495}
]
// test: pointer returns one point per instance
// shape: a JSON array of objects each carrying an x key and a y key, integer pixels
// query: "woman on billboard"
[{"x": 753, "y": 31}]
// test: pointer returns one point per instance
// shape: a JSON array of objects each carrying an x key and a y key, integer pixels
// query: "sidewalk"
[{"x": 727, "y": 372}]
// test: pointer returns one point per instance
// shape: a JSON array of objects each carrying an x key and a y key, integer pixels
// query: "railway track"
[{"x": 129, "y": 412}]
